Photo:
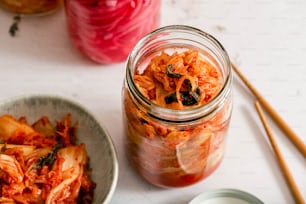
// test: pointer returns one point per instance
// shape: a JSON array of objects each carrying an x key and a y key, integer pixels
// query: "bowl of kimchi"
[{"x": 52, "y": 150}]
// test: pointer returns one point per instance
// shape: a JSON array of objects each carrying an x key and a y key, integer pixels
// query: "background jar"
[
  {"x": 189, "y": 161},
  {"x": 107, "y": 30},
  {"x": 31, "y": 6}
]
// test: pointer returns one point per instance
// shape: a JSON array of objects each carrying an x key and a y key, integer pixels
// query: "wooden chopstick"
[
  {"x": 274, "y": 115},
  {"x": 285, "y": 170}
]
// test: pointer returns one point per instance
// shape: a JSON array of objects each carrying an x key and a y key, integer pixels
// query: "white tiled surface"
[{"x": 265, "y": 38}]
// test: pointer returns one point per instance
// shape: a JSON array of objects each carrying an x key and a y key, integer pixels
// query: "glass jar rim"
[{"x": 185, "y": 115}]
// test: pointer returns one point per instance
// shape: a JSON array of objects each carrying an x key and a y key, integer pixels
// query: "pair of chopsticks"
[
  {"x": 274, "y": 115},
  {"x": 286, "y": 129}
]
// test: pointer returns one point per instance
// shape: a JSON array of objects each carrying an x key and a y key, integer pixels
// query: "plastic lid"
[{"x": 225, "y": 196}]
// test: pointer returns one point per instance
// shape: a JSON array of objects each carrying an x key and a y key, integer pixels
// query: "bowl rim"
[{"x": 115, "y": 161}]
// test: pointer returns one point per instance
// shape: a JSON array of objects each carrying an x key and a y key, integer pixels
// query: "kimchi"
[
  {"x": 172, "y": 141},
  {"x": 41, "y": 162}
]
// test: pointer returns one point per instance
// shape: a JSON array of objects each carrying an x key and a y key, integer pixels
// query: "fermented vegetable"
[
  {"x": 41, "y": 163},
  {"x": 107, "y": 30},
  {"x": 165, "y": 149}
]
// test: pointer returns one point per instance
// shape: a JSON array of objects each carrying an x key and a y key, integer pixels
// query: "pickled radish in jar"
[{"x": 107, "y": 30}]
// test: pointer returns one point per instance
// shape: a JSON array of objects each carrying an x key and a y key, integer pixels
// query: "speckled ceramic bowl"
[{"x": 100, "y": 148}]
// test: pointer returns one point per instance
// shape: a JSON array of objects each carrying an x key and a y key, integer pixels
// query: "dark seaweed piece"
[
  {"x": 50, "y": 157},
  {"x": 190, "y": 98},
  {"x": 171, "y": 98},
  {"x": 15, "y": 26},
  {"x": 188, "y": 84},
  {"x": 170, "y": 72}
]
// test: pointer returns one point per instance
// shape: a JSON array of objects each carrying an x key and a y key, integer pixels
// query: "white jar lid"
[{"x": 225, "y": 196}]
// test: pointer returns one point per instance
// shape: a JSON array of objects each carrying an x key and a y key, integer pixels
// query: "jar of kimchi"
[
  {"x": 107, "y": 30},
  {"x": 31, "y": 6},
  {"x": 177, "y": 104}
]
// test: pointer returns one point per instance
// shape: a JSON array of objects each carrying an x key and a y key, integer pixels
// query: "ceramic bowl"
[{"x": 99, "y": 146}]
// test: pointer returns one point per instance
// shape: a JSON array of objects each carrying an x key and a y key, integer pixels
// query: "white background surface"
[{"x": 265, "y": 38}]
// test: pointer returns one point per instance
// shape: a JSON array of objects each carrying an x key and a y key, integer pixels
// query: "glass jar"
[
  {"x": 176, "y": 141},
  {"x": 107, "y": 30},
  {"x": 31, "y": 6}
]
